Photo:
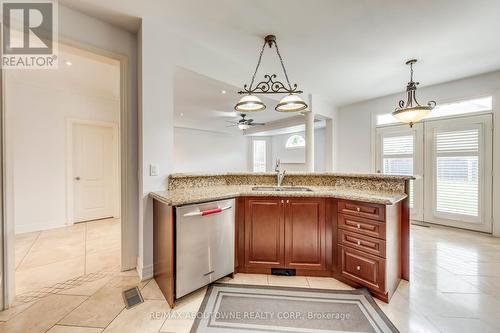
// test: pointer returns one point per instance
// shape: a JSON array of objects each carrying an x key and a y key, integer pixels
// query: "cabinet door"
[
  {"x": 305, "y": 233},
  {"x": 264, "y": 233}
]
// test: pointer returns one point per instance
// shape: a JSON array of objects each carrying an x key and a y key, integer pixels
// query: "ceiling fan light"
[
  {"x": 412, "y": 115},
  {"x": 243, "y": 126},
  {"x": 291, "y": 103},
  {"x": 250, "y": 103}
]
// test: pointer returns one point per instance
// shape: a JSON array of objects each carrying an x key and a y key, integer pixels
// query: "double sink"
[{"x": 281, "y": 189}]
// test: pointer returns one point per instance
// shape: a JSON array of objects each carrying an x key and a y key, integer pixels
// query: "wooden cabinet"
[
  {"x": 305, "y": 233},
  {"x": 356, "y": 242},
  {"x": 368, "y": 249},
  {"x": 264, "y": 233},
  {"x": 284, "y": 233}
]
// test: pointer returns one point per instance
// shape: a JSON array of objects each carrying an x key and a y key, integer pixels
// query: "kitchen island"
[{"x": 353, "y": 227}]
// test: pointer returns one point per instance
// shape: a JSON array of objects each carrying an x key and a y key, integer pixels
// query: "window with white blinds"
[
  {"x": 398, "y": 157},
  {"x": 457, "y": 172},
  {"x": 259, "y": 156}
]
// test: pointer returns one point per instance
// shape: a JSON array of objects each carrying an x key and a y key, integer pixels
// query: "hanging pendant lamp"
[
  {"x": 411, "y": 111},
  {"x": 251, "y": 103}
]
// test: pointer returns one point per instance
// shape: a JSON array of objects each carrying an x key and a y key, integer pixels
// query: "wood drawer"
[
  {"x": 362, "y": 225},
  {"x": 362, "y": 209},
  {"x": 363, "y": 243},
  {"x": 365, "y": 269}
]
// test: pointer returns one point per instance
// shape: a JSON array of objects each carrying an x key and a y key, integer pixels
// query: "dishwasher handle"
[{"x": 208, "y": 211}]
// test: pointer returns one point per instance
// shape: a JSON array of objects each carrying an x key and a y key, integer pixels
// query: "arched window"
[{"x": 295, "y": 141}]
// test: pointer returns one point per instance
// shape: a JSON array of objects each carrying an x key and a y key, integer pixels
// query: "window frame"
[
  {"x": 264, "y": 154},
  {"x": 295, "y": 147}
]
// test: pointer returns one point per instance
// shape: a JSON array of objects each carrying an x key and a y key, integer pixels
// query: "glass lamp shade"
[
  {"x": 412, "y": 115},
  {"x": 243, "y": 126},
  {"x": 250, "y": 103},
  {"x": 291, "y": 103}
]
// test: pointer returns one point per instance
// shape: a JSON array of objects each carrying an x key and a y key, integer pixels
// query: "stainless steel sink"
[{"x": 281, "y": 188}]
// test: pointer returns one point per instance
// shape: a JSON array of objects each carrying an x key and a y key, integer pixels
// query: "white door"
[
  {"x": 400, "y": 152},
  {"x": 458, "y": 169},
  {"x": 93, "y": 179}
]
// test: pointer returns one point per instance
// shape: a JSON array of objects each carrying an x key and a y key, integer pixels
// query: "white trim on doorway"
[{"x": 69, "y": 166}]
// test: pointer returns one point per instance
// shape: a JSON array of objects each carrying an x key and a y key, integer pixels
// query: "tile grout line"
[
  {"x": 29, "y": 250},
  {"x": 67, "y": 314}
]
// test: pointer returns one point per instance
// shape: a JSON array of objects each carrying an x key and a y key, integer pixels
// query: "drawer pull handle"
[
  {"x": 358, "y": 209},
  {"x": 358, "y": 226},
  {"x": 358, "y": 268},
  {"x": 359, "y": 243}
]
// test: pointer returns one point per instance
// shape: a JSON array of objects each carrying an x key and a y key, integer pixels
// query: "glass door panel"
[
  {"x": 399, "y": 152},
  {"x": 458, "y": 165}
]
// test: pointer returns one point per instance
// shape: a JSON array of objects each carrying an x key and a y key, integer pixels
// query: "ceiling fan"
[{"x": 244, "y": 123}]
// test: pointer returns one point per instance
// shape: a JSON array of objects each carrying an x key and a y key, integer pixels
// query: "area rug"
[{"x": 232, "y": 308}]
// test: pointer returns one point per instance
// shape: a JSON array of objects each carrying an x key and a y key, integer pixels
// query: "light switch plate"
[{"x": 154, "y": 170}]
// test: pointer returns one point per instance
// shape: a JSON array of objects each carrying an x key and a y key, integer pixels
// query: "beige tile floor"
[
  {"x": 455, "y": 287},
  {"x": 45, "y": 258}
]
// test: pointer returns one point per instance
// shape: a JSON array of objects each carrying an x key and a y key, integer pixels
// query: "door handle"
[
  {"x": 208, "y": 212},
  {"x": 77, "y": 178},
  {"x": 208, "y": 273}
]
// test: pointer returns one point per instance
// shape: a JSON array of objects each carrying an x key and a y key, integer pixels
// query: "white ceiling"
[{"x": 345, "y": 51}]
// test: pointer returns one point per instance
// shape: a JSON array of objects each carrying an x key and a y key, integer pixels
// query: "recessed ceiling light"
[
  {"x": 68, "y": 63},
  {"x": 223, "y": 92}
]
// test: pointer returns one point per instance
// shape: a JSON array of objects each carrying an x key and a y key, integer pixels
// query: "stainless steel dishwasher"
[{"x": 204, "y": 244}]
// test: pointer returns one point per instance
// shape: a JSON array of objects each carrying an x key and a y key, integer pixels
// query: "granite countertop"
[{"x": 193, "y": 195}]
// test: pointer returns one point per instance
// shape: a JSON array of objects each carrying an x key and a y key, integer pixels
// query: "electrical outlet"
[{"x": 154, "y": 170}]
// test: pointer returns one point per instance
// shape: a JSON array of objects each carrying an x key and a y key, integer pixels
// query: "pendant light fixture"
[
  {"x": 251, "y": 103},
  {"x": 411, "y": 111}
]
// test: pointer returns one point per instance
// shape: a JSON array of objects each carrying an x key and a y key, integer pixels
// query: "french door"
[
  {"x": 399, "y": 152},
  {"x": 451, "y": 160},
  {"x": 458, "y": 171}
]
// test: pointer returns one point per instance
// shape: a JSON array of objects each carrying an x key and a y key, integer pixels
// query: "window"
[
  {"x": 259, "y": 156},
  {"x": 449, "y": 109},
  {"x": 295, "y": 141}
]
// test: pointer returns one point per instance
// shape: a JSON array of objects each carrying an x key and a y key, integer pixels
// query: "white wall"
[
  {"x": 357, "y": 125},
  {"x": 294, "y": 159},
  {"x": 205, "y": 151},
  {"x": 37, "y": 120}
]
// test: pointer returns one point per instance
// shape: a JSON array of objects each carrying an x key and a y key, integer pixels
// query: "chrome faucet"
[{"x": 280, "y": 175}]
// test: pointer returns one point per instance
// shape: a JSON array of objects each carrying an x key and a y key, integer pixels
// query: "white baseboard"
[
  {"x": 24, "y": 228},
  {"x": 146, "y": 272}
]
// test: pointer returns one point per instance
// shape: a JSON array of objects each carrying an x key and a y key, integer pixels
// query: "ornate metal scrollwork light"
[
  {"x": 251, "y": 103},
  {"x": 411, "y": 111}
]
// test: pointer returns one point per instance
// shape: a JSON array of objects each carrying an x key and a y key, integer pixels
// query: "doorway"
[
  {"x": 62, "y": 125},
  {"x": 451, "y": 160}
]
